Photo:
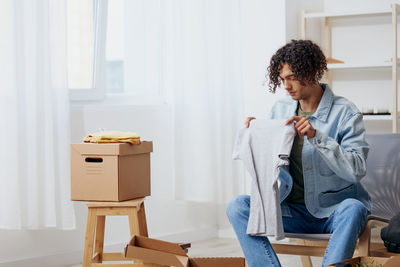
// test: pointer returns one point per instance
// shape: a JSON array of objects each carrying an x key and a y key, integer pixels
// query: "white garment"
[{"x": 264, "y": 147}]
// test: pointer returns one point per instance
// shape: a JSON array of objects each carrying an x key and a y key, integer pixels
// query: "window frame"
[
  {"x": 98, "y": 90},
  {"x": 98, "y": 93}
]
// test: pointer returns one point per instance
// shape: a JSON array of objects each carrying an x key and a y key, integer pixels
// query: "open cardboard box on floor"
[
  {"x": 374, "y": 261},
  {"x": 171, "y": 254}
]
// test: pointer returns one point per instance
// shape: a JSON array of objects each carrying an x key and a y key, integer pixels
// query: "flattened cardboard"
[
  {"x": 156, "y": 251},
  {"x": 217, "y": 262},
  {"x": 110, "y": 171},
  {"x": 157, "y": 257},
  {"x": 171, "y": 254},
  {"x": 394, "y": 261},
  {"x": 158, "y": 245},
  {"x": 376, "y": 261}
]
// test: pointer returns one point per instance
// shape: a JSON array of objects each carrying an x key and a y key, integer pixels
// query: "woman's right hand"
[{"x": 247, "y": 122}]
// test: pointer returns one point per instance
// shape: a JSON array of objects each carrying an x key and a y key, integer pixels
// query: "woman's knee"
[{"x": 239, "y": 205}]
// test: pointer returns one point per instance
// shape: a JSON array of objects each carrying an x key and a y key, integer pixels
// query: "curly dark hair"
[{"x": 305, "y": 59}]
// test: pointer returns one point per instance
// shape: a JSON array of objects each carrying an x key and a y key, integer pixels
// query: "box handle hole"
[{"x": 93, "y": 159}]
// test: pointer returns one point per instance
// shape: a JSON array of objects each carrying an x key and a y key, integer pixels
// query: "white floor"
[{"x": 226, "y": 247}]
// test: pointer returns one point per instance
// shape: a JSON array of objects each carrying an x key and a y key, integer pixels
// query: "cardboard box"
[
  {"x": 171, "y": 254},
  {"x": 110, "y": 171},
  {"x": 374, "y": 261},
  {"x": 217, "y": 262}
]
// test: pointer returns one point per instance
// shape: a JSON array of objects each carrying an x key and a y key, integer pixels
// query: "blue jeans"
[{"x": 345, "y": 224}]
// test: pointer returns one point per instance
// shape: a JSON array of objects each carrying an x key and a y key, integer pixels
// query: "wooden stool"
[{"x": 97, "y": 212}]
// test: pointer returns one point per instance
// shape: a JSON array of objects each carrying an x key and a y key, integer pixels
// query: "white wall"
[
  {"x": 294, "y": 8},
  {"x": 266, "y": 24}
]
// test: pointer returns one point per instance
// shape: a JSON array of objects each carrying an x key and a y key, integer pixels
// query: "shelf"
[
  {"x": 346, "y": 14},
  {"x": 330, "y": 60},
  {"x": 359, "y": 66},
  {"x": 379, "y": 117},
  {"x": 373, "y": 65}
]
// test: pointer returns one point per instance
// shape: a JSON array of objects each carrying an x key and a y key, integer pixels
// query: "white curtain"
[
  {"x": 191, "y": 51},
  {"x": 207, "y": 99},
  {"x": 34, "y": 116}
]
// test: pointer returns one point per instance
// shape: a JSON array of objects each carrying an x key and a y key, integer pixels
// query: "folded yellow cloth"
[{"x": 113, "y": 137}]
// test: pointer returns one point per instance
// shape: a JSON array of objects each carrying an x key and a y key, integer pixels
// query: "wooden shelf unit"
[{"x": 327, "y": 16}]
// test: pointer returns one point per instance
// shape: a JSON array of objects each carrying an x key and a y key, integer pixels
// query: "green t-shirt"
[{"x": 296, "y": 166}]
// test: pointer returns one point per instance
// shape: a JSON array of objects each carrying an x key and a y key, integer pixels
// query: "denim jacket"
[{"x": 334, "y": 160}]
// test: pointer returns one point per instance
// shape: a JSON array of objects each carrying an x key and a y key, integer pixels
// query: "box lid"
[
  {"x": 394, "y": 261},
  {"x": 217, "y": 262},
  {"x": 156, "y": 251},
  {"x": 171, "y": 254},
  {"x": 385, "y": 262},
  {"x": 113, "y": 148}
]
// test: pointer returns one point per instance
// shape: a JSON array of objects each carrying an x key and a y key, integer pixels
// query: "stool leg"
[
  {"x": 142, "y": 221},
  {"x": 135, "y": 228},
  {"x": 134, "y": 224},
  {"x": 89, "y": 238},
  {"x": 99, "y": 243}
]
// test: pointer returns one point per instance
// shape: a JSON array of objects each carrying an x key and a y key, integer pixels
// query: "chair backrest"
[{"x": 383, "y": 174}]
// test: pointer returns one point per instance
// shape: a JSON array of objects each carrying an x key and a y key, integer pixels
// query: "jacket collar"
[{"x": 324, "y": 106}]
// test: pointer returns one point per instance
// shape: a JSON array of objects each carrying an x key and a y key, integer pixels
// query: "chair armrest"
[{"x": 377, "y": 218}]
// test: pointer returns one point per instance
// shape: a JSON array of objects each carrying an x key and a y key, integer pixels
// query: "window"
[
  {"x": 80, "y": 44},
  {"x": 114, "y": 50},
  {"x": 115, "y": 47},
  {"x": 83, "y": 49}
]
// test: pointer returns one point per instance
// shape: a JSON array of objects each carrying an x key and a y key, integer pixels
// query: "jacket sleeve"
[{"x": 347, "y": 156}]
